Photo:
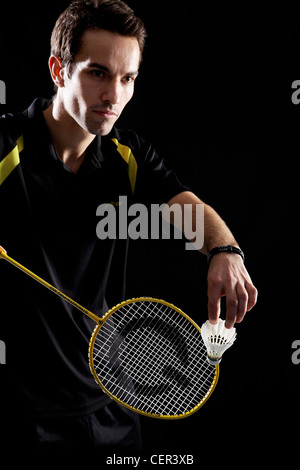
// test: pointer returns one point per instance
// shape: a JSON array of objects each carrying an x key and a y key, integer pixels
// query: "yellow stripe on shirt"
[
  {"x": 11, "y": 161},
  {"x": 128, "y": 156}
]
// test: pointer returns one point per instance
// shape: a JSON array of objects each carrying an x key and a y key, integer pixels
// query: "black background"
[{"x": 214, "y": 96}]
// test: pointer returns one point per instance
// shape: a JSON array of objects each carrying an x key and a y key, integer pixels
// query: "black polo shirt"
[{"x": 48, "y": 223}]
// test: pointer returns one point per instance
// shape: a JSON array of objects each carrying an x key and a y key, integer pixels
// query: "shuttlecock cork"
[{"x": 217, "y": 339}]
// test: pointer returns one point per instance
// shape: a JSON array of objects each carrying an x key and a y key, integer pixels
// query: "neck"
[{"x": 69, "y": 139}]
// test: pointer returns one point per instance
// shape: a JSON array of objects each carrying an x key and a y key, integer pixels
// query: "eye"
[
  {"x": 129, "y": 79},
  {"x": 97, "y": 73}
]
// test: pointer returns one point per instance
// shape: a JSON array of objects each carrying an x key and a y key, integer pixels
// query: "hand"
[
  {"x": 2, "y": 250},
  {"x": 227, "y": 276}
]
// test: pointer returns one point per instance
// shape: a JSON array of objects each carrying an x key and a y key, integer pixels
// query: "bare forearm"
[
  {"x": 216, "y": 232},
  {"x": 227, "y": 275}
]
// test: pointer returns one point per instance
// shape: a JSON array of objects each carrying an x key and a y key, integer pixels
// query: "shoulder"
[
  {"x": 127, "y": 137},
  {"x": 142, "y": 149},
  {"x": 11, "y": 123},
  {"x": 11, "y": 129},
  {"x": 14, "y": 124}
]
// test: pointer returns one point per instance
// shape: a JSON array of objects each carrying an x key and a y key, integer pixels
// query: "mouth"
[{"x": 105, "y": 113}]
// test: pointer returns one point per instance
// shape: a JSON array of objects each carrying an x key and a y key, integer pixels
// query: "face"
[{"x": 101, "y": 81}]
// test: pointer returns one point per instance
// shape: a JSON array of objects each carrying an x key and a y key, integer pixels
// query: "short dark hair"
[{"x": 111, "y": 15}]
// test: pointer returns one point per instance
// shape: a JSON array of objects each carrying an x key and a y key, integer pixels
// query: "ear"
[{"x": 56, "y": 70}]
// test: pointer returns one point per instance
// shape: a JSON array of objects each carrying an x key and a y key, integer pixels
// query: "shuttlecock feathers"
[{"x": 217, "y": 339}]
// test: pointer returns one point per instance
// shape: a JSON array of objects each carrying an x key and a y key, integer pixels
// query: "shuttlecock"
[{"x": 217, "y": 339}]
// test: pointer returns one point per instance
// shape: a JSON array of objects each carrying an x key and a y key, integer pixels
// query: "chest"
[{"x": 62, "y": 200}]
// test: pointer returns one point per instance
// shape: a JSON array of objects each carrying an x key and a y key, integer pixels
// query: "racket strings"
[
  {"x": 165, "y": 379},
  {"x": 146, "y": 374},
  {"x": 146, "y": 341},
  {"x": 139, "y": 339},
  {"x": 111, "y": 327},
  {"x": 176, "y": 370},
  {"x": 138, "y": 343},
  {"x": 140, "y": 355}
]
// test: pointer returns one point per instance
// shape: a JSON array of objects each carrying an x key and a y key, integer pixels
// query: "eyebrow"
[{"x": 106, "y": 69}]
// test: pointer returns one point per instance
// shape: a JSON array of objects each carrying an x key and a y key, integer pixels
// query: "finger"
[
  {"x": 214, "y": 307},
  {"x": 252, "y": 295},
  {"x": 243, "y": 298},
  {"x": 231, "y": 310},
  {"x": 215, "y": 291}
]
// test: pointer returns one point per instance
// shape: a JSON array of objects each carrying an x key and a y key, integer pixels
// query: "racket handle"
[
  {"x": 53, "y": 289},
  {"x": 2, "y": 251}
]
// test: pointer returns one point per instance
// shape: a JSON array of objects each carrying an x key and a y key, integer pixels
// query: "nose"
[{"x": 112, "y": 92}]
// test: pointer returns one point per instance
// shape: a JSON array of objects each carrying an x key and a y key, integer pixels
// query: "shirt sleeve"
[{"x": 155, "y": 182}]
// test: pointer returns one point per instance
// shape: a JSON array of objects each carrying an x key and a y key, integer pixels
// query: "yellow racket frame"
[
  {"x": 100, "y": 322},
  {"x": 152, "y": 415}
]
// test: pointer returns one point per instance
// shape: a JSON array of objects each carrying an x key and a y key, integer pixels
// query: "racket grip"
[{"x": 2, "y": 251}]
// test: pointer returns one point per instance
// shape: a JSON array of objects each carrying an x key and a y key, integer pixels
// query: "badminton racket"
[{"x": 147, "y": 355}]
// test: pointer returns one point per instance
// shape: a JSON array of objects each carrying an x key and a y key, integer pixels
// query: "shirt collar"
[{"x": 99, "y": 151}]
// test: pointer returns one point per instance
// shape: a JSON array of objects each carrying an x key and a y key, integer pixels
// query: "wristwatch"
[{"x": 224, "y": 249}]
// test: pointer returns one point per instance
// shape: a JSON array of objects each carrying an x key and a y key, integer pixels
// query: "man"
[{"x": 60, "y": 160}]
